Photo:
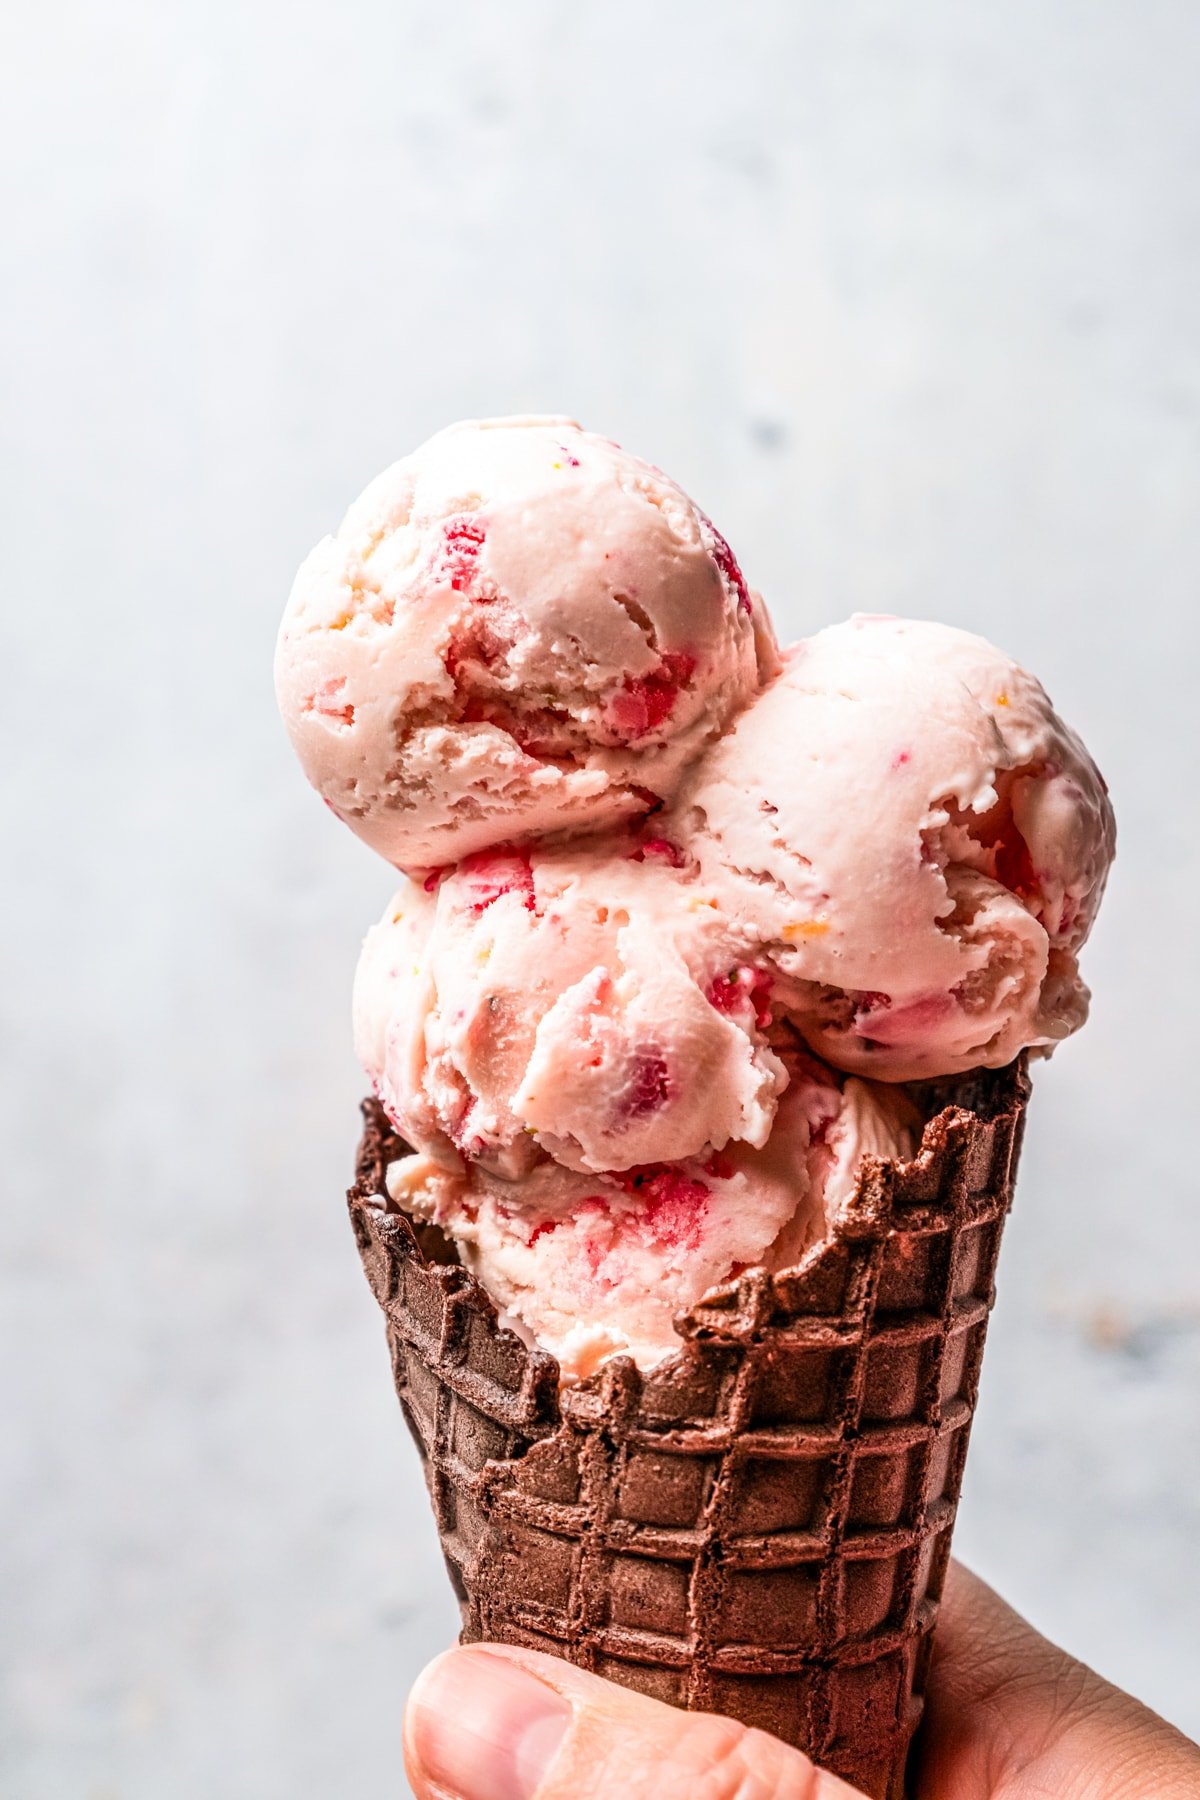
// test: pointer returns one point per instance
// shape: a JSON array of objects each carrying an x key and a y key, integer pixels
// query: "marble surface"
[{"x": 907, "y": 298}]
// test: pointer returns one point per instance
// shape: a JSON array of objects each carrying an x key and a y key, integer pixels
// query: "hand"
[{"x": 1008, "y": 1717}]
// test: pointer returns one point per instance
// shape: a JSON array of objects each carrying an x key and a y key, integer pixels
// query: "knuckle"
[{"x": 748, "y": 1764}]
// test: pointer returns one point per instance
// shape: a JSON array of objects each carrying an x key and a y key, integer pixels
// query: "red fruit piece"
[
  {"x": 657, "y": 847},
  {"x": 726, "y": 992},
  {"x": 456, "y": 558},
  {"x": 490, "y": 874},
  {"x": 646, "y": 702},
  {"x": 675, "y": 1206},
  {"x": 719, "y": 1167},
  {"x": 324, "y": 702},
  {"x": 727, "y": 563},
  {"x": 760, "y": 999},
  {"x": 649, "y": 1089},
  {"x": 743, "y": 984},
  {"x": 672, "y": 1204}
]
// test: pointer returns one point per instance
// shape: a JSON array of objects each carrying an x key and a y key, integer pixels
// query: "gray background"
[{"x": 907, "y": 296}]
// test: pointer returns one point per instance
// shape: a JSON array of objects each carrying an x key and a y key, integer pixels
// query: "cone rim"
[{"x": 955, "y": 1107}]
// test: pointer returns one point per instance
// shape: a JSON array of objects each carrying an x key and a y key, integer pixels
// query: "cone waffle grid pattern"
[{"x": 760, "y": 1526}]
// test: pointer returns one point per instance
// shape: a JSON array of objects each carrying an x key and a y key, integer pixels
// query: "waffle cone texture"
[{"x": 760, "y": 1525}]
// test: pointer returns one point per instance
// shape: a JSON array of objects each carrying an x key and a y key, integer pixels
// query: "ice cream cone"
[{"x": 760, "y": 1525}]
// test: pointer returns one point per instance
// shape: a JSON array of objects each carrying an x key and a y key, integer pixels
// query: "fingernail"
[{"x": 482, "y": 1728}]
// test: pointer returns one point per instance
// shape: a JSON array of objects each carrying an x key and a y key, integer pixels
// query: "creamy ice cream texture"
[
  {"x": 580, "y": 1003},
  {"x": 519, "y": 629},
  {"x": 590, "y": 1266},
  {"x": 912, "y": 841},
  {"x": 684, "y": 917}
]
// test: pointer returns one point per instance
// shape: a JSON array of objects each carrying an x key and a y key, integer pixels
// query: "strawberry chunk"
[
  {"x": 658, "y": 847},
  {"x": 456, "y": 559},
  {"x": 649, "y": 1090},
  {"x": 490, "y": 874},
  {"x": 327, "y": 702},
  {"x": 743, "y": 985},
  {"x": 727, "y": 563},
  {"x": 646, "y": 702},
  {"x": 672, "y": 1206}
]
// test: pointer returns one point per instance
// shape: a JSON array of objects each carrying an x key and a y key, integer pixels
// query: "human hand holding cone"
[{"x": 733, "y": 1486}]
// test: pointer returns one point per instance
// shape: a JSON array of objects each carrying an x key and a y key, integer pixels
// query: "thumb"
[{"x": 492, "y": 1722}]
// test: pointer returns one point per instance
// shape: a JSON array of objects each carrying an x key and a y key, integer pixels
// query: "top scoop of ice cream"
[
  {"x": 906, "y": 830},
  {"x": 517, "y": 630}
]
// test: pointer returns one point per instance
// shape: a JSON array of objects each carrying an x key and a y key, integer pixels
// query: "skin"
[{"x": 1009, "y": 1717}]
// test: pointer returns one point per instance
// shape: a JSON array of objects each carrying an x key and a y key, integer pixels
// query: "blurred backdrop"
[{"x": 907, "y": 297}]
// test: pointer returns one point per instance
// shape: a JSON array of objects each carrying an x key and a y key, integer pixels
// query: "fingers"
[
  {"x": 497, "y": 1723},
  {"x": 1009, "y": 1715}
]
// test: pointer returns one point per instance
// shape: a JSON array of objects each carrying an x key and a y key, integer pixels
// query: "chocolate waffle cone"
[{"x": 760, "y": 1525}]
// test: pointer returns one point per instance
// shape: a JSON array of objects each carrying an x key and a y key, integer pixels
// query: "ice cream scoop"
[
  {"x": 582, "y": 1003},
  {"x": 914, "y": 841},
  {"x": 594, "y": 1265},
  {"x": 517, "y": 630}
]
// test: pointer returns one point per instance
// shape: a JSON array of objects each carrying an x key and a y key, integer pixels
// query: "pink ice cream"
[
  {"x": 906, "y": 834},
  {"x": 658, "y": 873},
  {"x": 583, "y": 1003},
  {"x": 519, "y": 629},
  {"x": 594, "y": 1265}
]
